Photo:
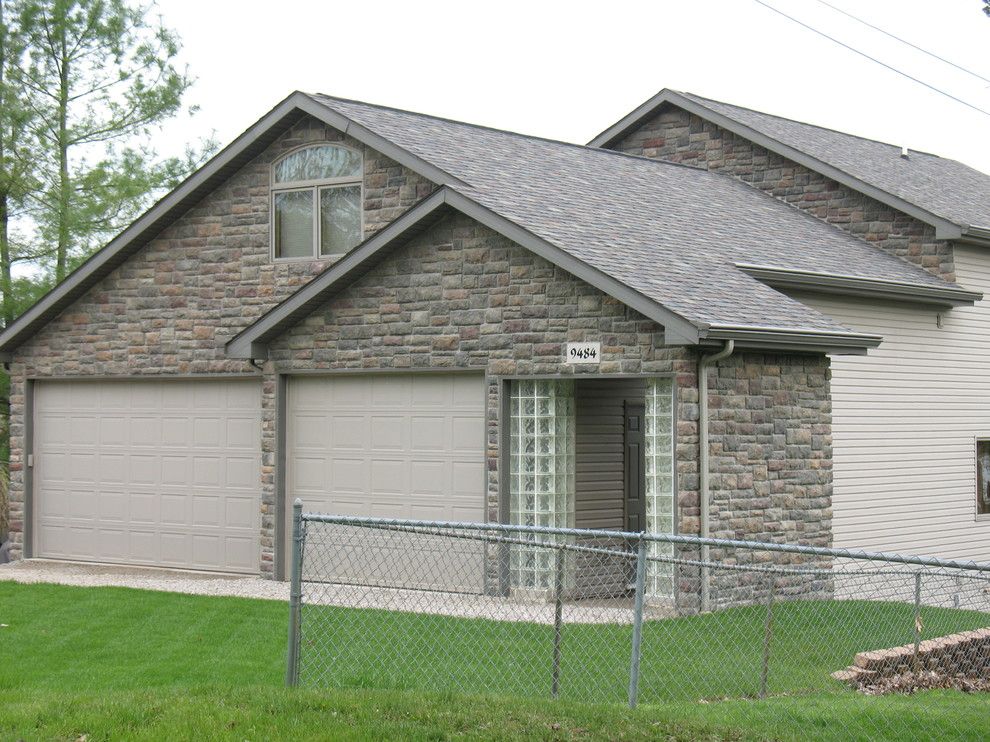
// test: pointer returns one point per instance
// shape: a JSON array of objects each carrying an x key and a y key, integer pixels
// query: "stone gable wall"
[
  {"x": 676, "y": 135},
  {"x": 172, "y": 306},
  {"x": 462, "y": 297},
  {"x": 459, "y": 296}
]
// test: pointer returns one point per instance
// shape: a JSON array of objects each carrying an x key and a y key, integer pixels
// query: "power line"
[
  {"x": 873, "y": 59},
  {"x": 905, "y": 41}
]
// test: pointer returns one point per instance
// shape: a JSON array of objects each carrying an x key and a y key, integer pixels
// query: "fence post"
[
  {"x": 767, "y": 636},
  {"x": 295, "y": 597},
  {"x": 558, "y": 612},
  {"x": 637, "y": 637},
  {"x": 917, "y": 622}
]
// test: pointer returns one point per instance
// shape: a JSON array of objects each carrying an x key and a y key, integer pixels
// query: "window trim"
[
  {"x": 314, "y": 186},
  {"x": 977, "y": 515}
]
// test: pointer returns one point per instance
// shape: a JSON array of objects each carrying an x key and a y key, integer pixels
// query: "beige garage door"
[
  {"x": 163, "y": 473},
  {"x": 392, "y": 446}
]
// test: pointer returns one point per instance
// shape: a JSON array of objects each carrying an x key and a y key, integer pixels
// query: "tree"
[
  {"x": 986, "y": 9},
  {"x": 16, "y": 168},
  {"x": 101, "y": 79},
  {"x": 84, "y": 85}
]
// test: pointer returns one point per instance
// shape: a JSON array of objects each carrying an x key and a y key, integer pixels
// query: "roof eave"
[
  {"x": 782, "y": 278},
  {"x": 979, "y": 236},
  {"x": 945, "y": 229},
  {"x": 795, "y": 340}
]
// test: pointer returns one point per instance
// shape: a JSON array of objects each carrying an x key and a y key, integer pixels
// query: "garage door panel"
[
  {"x": 430, "y": 478},
  {"x": 112, "y": 507},
  {"x": 350, "y": 432},
  {"x": 429, "y": 433},
  {"x": 113, "y": 431},
  {"x": 206, "y": 431},
  {"x": 242, "y": 433},
  {"x": 159, "y": 472},
  {"x": 399, "y": 446},
  {"x": 389, "y": 433},
  {"x": 144, "y": 431},
  {"x": 83, "y": 429},
  {"x": 113, "y": 543}
]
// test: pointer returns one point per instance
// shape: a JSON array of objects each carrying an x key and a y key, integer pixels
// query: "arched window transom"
[{"x": 316, "y": 202}]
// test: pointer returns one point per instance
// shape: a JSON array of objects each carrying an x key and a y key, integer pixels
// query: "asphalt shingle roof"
[
  {"x": 673, "y": 233},
  {"x": 946, "y": 188}
]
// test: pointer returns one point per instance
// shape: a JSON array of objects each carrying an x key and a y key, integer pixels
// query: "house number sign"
[{"x": 584, "y": 353}]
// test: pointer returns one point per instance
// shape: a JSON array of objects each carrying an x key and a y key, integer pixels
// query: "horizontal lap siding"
[
  {"x": 599, "y": 448},
  {"x": 904, "y": 421},
  {"x": 600, "y": 479}
]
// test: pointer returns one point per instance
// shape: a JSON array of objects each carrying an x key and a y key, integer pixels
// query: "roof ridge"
[
  {"x": 509, "y": 132},
  {"x": 814, "y": 126}
]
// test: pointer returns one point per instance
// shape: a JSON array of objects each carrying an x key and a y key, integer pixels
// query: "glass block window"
[
  {"x": 660, "y": 482},
  {"x": 541, "y": 471}
]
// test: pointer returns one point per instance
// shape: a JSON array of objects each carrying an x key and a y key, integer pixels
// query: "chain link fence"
[{"x": 610, "y": 617}]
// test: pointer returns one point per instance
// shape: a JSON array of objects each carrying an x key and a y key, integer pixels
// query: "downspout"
[{"x": 704, "y": 494}]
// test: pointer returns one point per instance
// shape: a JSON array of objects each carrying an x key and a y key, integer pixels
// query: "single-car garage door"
[
  {"x": 391, "y": 446},
  {"x": 162, "y": 473}
]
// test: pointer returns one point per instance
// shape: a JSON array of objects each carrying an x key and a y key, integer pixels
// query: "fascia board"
[{"x": 781, "y": 278}]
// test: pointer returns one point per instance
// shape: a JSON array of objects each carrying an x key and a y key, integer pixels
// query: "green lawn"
[{"x": 127, "y": 664}]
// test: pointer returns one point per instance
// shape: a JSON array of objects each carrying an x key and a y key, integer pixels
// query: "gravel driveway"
[
  {"x": 102, "y": 575},
  {"x": 393, "y": 599}
]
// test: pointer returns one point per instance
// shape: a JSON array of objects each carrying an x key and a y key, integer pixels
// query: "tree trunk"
[
  {"x": 64, "y": 182},
  {"x": 6, "y": 284},
  {"x": 6, "y": 280}
]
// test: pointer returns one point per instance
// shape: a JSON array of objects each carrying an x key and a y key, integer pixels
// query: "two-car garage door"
[
  {"x": 162, "y": 473},
  {"x": 168, "y": 472}
]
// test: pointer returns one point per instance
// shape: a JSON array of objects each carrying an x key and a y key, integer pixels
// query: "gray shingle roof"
[
  {"x": 944, "y": 187},
  {"x": 673, "y": 233}
]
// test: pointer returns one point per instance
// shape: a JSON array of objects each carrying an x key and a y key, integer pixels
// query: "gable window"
[
  {"x": 316, "y": 202},
  {"x": 983, "y": 477}
]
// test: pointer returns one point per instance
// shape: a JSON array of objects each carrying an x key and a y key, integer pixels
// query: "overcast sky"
[{"x": 567, "y": 70}]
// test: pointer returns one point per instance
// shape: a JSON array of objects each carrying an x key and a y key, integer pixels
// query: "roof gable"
[
  {"x": 252, "y": 343},
  {"x": 166, "y": 211},
  {"x": 946, "y": 194},
  {"x": 666, "y": 239}
]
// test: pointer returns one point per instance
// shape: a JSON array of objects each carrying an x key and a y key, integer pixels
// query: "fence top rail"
[{"x": 669, "y": 538}]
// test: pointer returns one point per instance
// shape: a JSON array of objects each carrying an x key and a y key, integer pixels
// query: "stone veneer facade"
[
  {"x": 676, "y": 135},
  {"x": 459, "y": 296},
  {"x": 463, "y": 297},
  {"x": 170, "y": 308}
]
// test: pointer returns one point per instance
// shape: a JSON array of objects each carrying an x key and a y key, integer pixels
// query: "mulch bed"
[{"x": 908, "y": 683}]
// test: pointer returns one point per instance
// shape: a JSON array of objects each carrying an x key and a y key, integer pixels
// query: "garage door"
[
  {"x": 392, "y": 446},
  {"x": 163, "y": 473}
]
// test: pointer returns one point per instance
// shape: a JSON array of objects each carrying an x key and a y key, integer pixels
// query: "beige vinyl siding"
[{"x": 905, "y": 420}]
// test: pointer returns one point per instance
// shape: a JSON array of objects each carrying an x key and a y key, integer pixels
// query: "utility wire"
[
  {"x": 905, "y": 41},
  {"x": 873, "y": 59}
]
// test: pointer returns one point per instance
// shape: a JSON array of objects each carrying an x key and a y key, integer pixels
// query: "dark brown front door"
[{"x": 635, "y": 467}]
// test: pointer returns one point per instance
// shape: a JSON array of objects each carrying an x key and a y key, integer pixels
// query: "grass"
[{"x": 115, "y": 663}]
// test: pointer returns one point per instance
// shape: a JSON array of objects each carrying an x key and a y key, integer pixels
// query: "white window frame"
[{"x": 316, "y": 187}]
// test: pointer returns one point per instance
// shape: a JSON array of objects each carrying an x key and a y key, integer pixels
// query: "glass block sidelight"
[
  {"x": 541, "y": 471},
  {"x": 660, "y": 478}
]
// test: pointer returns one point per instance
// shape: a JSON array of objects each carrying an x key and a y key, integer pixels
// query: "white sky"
[{"x": 567, "y": 70}]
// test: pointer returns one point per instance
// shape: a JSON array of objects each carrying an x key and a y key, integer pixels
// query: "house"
[
  {"x": 392, "y": 314},
  {"x": 910, "y": 420}
]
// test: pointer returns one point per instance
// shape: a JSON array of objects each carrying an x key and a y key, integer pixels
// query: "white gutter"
[{"x": 704, "y": 494}]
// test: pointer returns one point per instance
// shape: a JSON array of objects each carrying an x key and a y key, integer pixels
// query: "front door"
[{"x": 635, "y": 467}]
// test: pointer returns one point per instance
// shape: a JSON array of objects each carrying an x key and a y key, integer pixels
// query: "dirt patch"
[{"x": 908, "y": 683}]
